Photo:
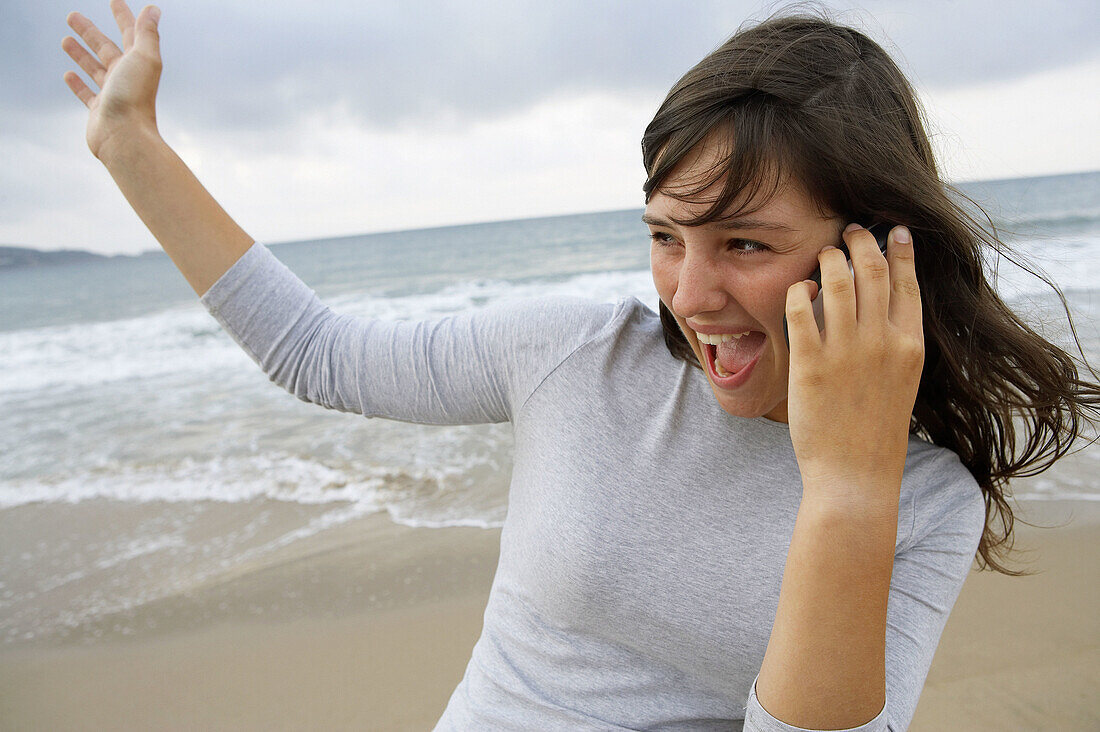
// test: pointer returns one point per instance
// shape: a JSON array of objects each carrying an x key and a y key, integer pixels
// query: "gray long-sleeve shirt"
[{"x": 647, "y": 529}]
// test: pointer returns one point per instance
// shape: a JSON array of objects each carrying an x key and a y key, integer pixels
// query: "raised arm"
[{"x": 194, "y": 230}]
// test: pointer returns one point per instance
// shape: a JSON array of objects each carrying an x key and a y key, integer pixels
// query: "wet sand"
[
  {"x": 1018, "y": 653},
  {"x": 385, "y": 655}
]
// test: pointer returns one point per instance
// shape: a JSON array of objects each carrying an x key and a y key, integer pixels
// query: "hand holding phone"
[
  {"x": 881, "y": 232},
  {"x": 861, "y": 376}
]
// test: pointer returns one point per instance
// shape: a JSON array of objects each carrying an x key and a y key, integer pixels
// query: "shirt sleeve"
[
  {"x": 929, "y": 571},
  {"x": 470, "y": 368}
]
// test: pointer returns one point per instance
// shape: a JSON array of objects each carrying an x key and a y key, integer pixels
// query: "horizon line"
[{"x": 378, "y": 232}]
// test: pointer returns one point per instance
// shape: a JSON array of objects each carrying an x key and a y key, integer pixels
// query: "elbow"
[{"x": 303, "y": 365}]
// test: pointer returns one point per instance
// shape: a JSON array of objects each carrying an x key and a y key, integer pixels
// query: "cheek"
[
  {"x": 768, "y": 298},
  {"x": 778, "y": 304},
  {"x": 665, "y": 277}
]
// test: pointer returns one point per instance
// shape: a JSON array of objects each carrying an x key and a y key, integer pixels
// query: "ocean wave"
[
  {"x": 1062, "y": 496},
  {"x": 1071, "y": 263},
  {"x": 438, "y": 496},
  {"x": 1056, "y": 224},
  {"x": 84, "y": 355}
]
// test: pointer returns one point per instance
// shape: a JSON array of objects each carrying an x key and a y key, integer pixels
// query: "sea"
[{"x": 145, "y": 454}]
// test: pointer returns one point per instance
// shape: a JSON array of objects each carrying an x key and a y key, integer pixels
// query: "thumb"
[{"x": 146, "y": 36}]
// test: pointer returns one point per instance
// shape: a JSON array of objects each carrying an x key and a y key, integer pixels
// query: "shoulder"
[
  {"x": 534, "y": 339},
  {"x": 577, "y": 309},
  {"x": 626, "y": 334},
  {"x": 571, "y": 320},
  {"x": 559, "y": 312}
]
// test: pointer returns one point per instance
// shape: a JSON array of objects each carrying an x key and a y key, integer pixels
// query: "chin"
[{"x": 746, "y": 409}]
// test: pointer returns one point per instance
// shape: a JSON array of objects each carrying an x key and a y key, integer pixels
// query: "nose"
[{"x": 699, "y": 287}]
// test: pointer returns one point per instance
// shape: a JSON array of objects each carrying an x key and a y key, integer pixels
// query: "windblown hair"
[{"x": 804, "y": 99}]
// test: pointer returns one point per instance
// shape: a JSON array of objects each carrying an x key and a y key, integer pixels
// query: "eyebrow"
[{"x": 730, "y": 224}]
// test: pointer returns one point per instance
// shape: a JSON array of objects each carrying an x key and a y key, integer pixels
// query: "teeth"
[
  {"x": 720, "y": 371},
  {"x": 718, "y": 339}
]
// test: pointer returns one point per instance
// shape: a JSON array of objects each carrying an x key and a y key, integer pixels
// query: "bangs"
[{"x": 752, "y": 161}]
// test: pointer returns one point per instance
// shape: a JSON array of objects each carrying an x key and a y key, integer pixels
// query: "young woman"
[{"x": 707, "y": 527}]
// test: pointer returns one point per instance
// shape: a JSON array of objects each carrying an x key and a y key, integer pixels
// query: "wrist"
[{"x": 124, "y": 143}]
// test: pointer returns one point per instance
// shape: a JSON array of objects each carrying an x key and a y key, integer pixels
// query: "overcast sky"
[{"x": 314, "y": 119}]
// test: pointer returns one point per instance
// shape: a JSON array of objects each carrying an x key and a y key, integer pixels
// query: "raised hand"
[
  {"x": 127, "y": 78},
  {"x": 852, "y": 387}
]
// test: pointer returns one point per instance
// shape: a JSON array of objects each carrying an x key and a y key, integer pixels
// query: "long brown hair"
[{"x": 804, "y": 98}]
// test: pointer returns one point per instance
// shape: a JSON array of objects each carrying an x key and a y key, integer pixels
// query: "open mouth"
[{"x": 730, "y": 357}]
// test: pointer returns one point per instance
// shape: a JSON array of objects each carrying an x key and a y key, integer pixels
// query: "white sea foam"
[
  {"x": 479, "y": 293},
  {"x": 87, "y": 355},
  {"x": 435, "y": 496},
  {"x": 1059, "y": 496},
  {"x": 128, "y": 549},
  {"x": 444, "y": 523},
  {"x": 226, "y": 480},
  {"x": 216, "y": 479},
  {"x": 1071, "y": 262}
]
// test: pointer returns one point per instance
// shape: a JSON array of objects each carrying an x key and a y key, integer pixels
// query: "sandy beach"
[
  {"x": 384, "y": 617},
  {"x": 1023, "y": 653}
]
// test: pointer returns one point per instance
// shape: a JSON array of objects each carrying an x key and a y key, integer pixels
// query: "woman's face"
[{"x": 730, "y": 278}]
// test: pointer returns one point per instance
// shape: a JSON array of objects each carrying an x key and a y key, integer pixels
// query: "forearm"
[
  {"x": 194, "y": 230},
  {"x": 825, "y": 663}
]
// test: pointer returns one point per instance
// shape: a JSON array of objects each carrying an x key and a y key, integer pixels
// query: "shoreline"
[{"x": 1017, "y": 652}]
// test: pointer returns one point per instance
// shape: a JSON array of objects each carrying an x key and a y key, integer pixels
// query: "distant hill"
[
  {"x": 24, "y": 257},
  {"x": 11, "y": 257}
]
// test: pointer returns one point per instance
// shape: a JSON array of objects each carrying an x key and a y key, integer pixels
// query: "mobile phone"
[{"x": 881, "y": 231}]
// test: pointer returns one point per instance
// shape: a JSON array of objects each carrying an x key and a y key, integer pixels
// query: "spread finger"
[
  {"x": 125, "y": 20},
  {"x": 79, "y": 88},
  {"x": 101, "y": 45},
  {"x": 86, "y": 61}
]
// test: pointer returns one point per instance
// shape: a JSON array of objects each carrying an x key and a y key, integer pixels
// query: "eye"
[
  {"x": 663, "y": 238},
  {"x": 747, "y": 246}
]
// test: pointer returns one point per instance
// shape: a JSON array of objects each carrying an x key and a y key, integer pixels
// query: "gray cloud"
[
  {"x": 953, "y": 43},
  {"x": 260, "y": 65}
]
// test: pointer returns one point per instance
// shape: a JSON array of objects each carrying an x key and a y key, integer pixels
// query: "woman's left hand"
[{"x": 852, "y": 387}]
